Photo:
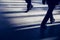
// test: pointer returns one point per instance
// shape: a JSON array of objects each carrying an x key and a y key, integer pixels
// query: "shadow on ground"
[
  {"x": 8, "y": 32},
  {"x": 30, "y": 34}
]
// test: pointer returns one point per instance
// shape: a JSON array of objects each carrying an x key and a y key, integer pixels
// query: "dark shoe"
[
  {"x": 29, "y": 8},
  {"x": 52, "y": 21}
]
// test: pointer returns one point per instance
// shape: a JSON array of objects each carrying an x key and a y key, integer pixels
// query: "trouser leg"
[
  {"x": 29, "y": 5},
  {"x": 51, "y": 8},
  {"x": 48, "y": 15}
]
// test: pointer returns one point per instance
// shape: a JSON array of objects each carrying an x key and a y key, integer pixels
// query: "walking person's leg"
[
  {"x": 29, "y": 5},
  {"x": 48, "y": 15},
  {"x": 51, "y": 8},
  {"x": 43, "y": 24}
]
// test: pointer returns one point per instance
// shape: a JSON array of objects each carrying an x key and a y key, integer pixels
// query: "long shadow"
[
  {"x": 7, "y": 31},
  {"x": 54, "y": 31},
  {"x": 34, "y": 34},
  {"x": 30, "y": 34},
  {"x": 51, "y": 31},
  {"x": 3, "y": 22},
  {"x": 5, "y": 27}
]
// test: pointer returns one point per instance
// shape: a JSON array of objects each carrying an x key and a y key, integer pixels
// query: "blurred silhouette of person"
[
  {"x": 29, "y": 5},
  {"x": 51, "y": 5}
]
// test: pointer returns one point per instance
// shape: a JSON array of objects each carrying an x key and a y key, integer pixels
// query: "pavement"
[{"x": 15, "y": 24}]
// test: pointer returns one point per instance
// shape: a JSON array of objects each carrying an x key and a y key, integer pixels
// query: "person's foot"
[
  {"x": 29, "y": 8},
  {"x": 52, "y": 21}
]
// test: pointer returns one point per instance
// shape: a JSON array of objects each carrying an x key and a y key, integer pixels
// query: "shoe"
[
  {"x": 52, "y": 21},
  {"x": 29, "y": 8}
]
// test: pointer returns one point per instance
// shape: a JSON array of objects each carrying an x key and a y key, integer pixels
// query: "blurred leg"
[
  {"x": 50, "y": 10},
  {"x": 29, "y": 5}
]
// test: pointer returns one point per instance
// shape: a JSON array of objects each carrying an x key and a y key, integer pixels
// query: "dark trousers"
[
  {"x": 28, "y": 1},
  {"x": 48, "y": 14},
  {"x": 28, "y": 4}
]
